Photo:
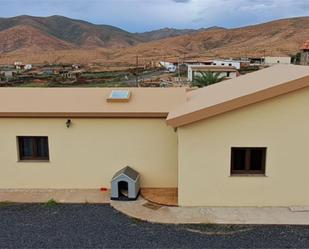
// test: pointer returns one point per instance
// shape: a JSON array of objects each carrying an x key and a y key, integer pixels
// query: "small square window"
[
  {"x": 248, "y": 160},
  {"x": 33, "y": 148}
]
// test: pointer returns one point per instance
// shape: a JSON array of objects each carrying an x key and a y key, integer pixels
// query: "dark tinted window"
[
  {"x": 248, "y": 160},
  {"x": 33, "y": 148},
  {"x": 238, "y": 157},
  {"x": 256, "y": 159}
]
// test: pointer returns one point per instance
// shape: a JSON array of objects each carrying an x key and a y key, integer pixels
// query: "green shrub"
[{"x": 51, "y": 203}]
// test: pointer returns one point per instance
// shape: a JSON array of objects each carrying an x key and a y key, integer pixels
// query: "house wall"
[
  {"x": 89, "y": 153},
  {"x": 225, "y": 63},
  {"x": 193, "y": 73},
  {"x": 304, "y": 57},
  {"x": 230, "y": 75},
  {"x": 190, "y": 73},
  {"x": 277, "y": 60},
  {"x": 280, "y": 124}
]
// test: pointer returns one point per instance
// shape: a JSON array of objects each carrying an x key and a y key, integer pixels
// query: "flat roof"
[
  {"x": 88, "y": 102},
  {"x": 179, "y": 106},
  {"x": 227, "y": 60},
  {"x": 238, "y": 92},
  {"x": 213, "y": 68}
]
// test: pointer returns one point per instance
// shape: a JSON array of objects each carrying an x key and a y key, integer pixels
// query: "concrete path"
[
  {"x": 59, "y": 195},
  {"x": 142, "y": 209}
]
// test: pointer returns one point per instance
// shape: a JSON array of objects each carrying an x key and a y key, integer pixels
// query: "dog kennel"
[{"x": 125, "y": 184}]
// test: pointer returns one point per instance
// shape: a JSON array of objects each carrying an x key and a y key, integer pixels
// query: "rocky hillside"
[
  {"x": 282, "y": 37},
  {"x": 32, "y": 38},
  {"x": 74, "y": 33}
]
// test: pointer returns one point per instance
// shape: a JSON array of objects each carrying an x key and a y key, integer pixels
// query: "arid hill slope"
[
  {"x": 78, "y": 33},
  {"x": 31, "y": 39},
  {"x": 282, "y": 37},
  {"x": 26, "y": 38}
]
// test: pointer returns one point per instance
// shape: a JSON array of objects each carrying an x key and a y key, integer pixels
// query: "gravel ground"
[{"x": 100, "y": 226}]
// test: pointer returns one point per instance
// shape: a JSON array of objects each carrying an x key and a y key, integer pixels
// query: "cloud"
[
  {"x": 181, "y": 1},
  {"x": 235, "y": 13}
]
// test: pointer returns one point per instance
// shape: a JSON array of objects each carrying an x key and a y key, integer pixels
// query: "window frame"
[
  {"x": 34, "y": 144},
  {"x": 247, "y": 170}
]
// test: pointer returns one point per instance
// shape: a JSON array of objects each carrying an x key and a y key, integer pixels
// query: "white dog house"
[{"x": 125, "y": 184}]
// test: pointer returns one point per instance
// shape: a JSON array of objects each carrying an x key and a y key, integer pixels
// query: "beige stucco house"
[{"x": 241, "y": 142}]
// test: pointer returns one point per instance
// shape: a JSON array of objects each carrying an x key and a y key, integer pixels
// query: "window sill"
[
  {"x": 33, "y": 161},
  {"x": 248, "y": 175}
]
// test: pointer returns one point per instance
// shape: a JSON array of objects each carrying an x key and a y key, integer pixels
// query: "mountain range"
[{"x": 38, "y": 39}]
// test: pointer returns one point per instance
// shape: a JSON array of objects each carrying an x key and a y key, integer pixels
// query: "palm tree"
[{"x": 207, "y": 78}]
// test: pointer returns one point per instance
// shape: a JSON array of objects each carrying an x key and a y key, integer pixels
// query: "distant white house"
[
  {"x": 269, "y": 60},
  {"x": 28, "y": 67},
  {"x": 170, "y": 67},
  {"x": 20, "y": 66},
  {"x": 18, "y": 63},
  {"x": 227, "y": 63},
  {"x": 197, "y": 70}
]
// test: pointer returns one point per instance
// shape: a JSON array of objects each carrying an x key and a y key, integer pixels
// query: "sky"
[{"x": 146, "y": 15}]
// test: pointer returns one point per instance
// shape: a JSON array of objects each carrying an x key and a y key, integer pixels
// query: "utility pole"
[
  {"x": 136, "y": 72},
  {"x": 178, "y": 69}
]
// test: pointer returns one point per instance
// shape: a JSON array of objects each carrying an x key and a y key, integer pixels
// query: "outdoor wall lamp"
[{"x": 68, "y": 123}]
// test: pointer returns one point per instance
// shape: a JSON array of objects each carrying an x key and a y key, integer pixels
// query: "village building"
[
  {"x": 269, "y": 60},
  {"x": 272, "y": 60},
  {"x": 255, "y": 61},
  {"x": 240, "y": 142},
  {"x": 230, "y": 63},
  {"x": 197, "y": 62},
  {"x": 224, "y": 71},
  {"x": 169, "y": 66},
  {"x": 8, "y": 74},
  {"x": 70, "y": 74},
  {"x": 181, "y": 65},
  {"x": 20, "y": 66},
  {"x": 304, "y": 54}
]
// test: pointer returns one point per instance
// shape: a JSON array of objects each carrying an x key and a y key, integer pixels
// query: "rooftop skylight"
[{"x": 119, "y": 95}]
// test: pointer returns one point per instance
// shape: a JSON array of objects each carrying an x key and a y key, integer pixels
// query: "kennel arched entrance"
[{"x": 125, "y": 184}]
